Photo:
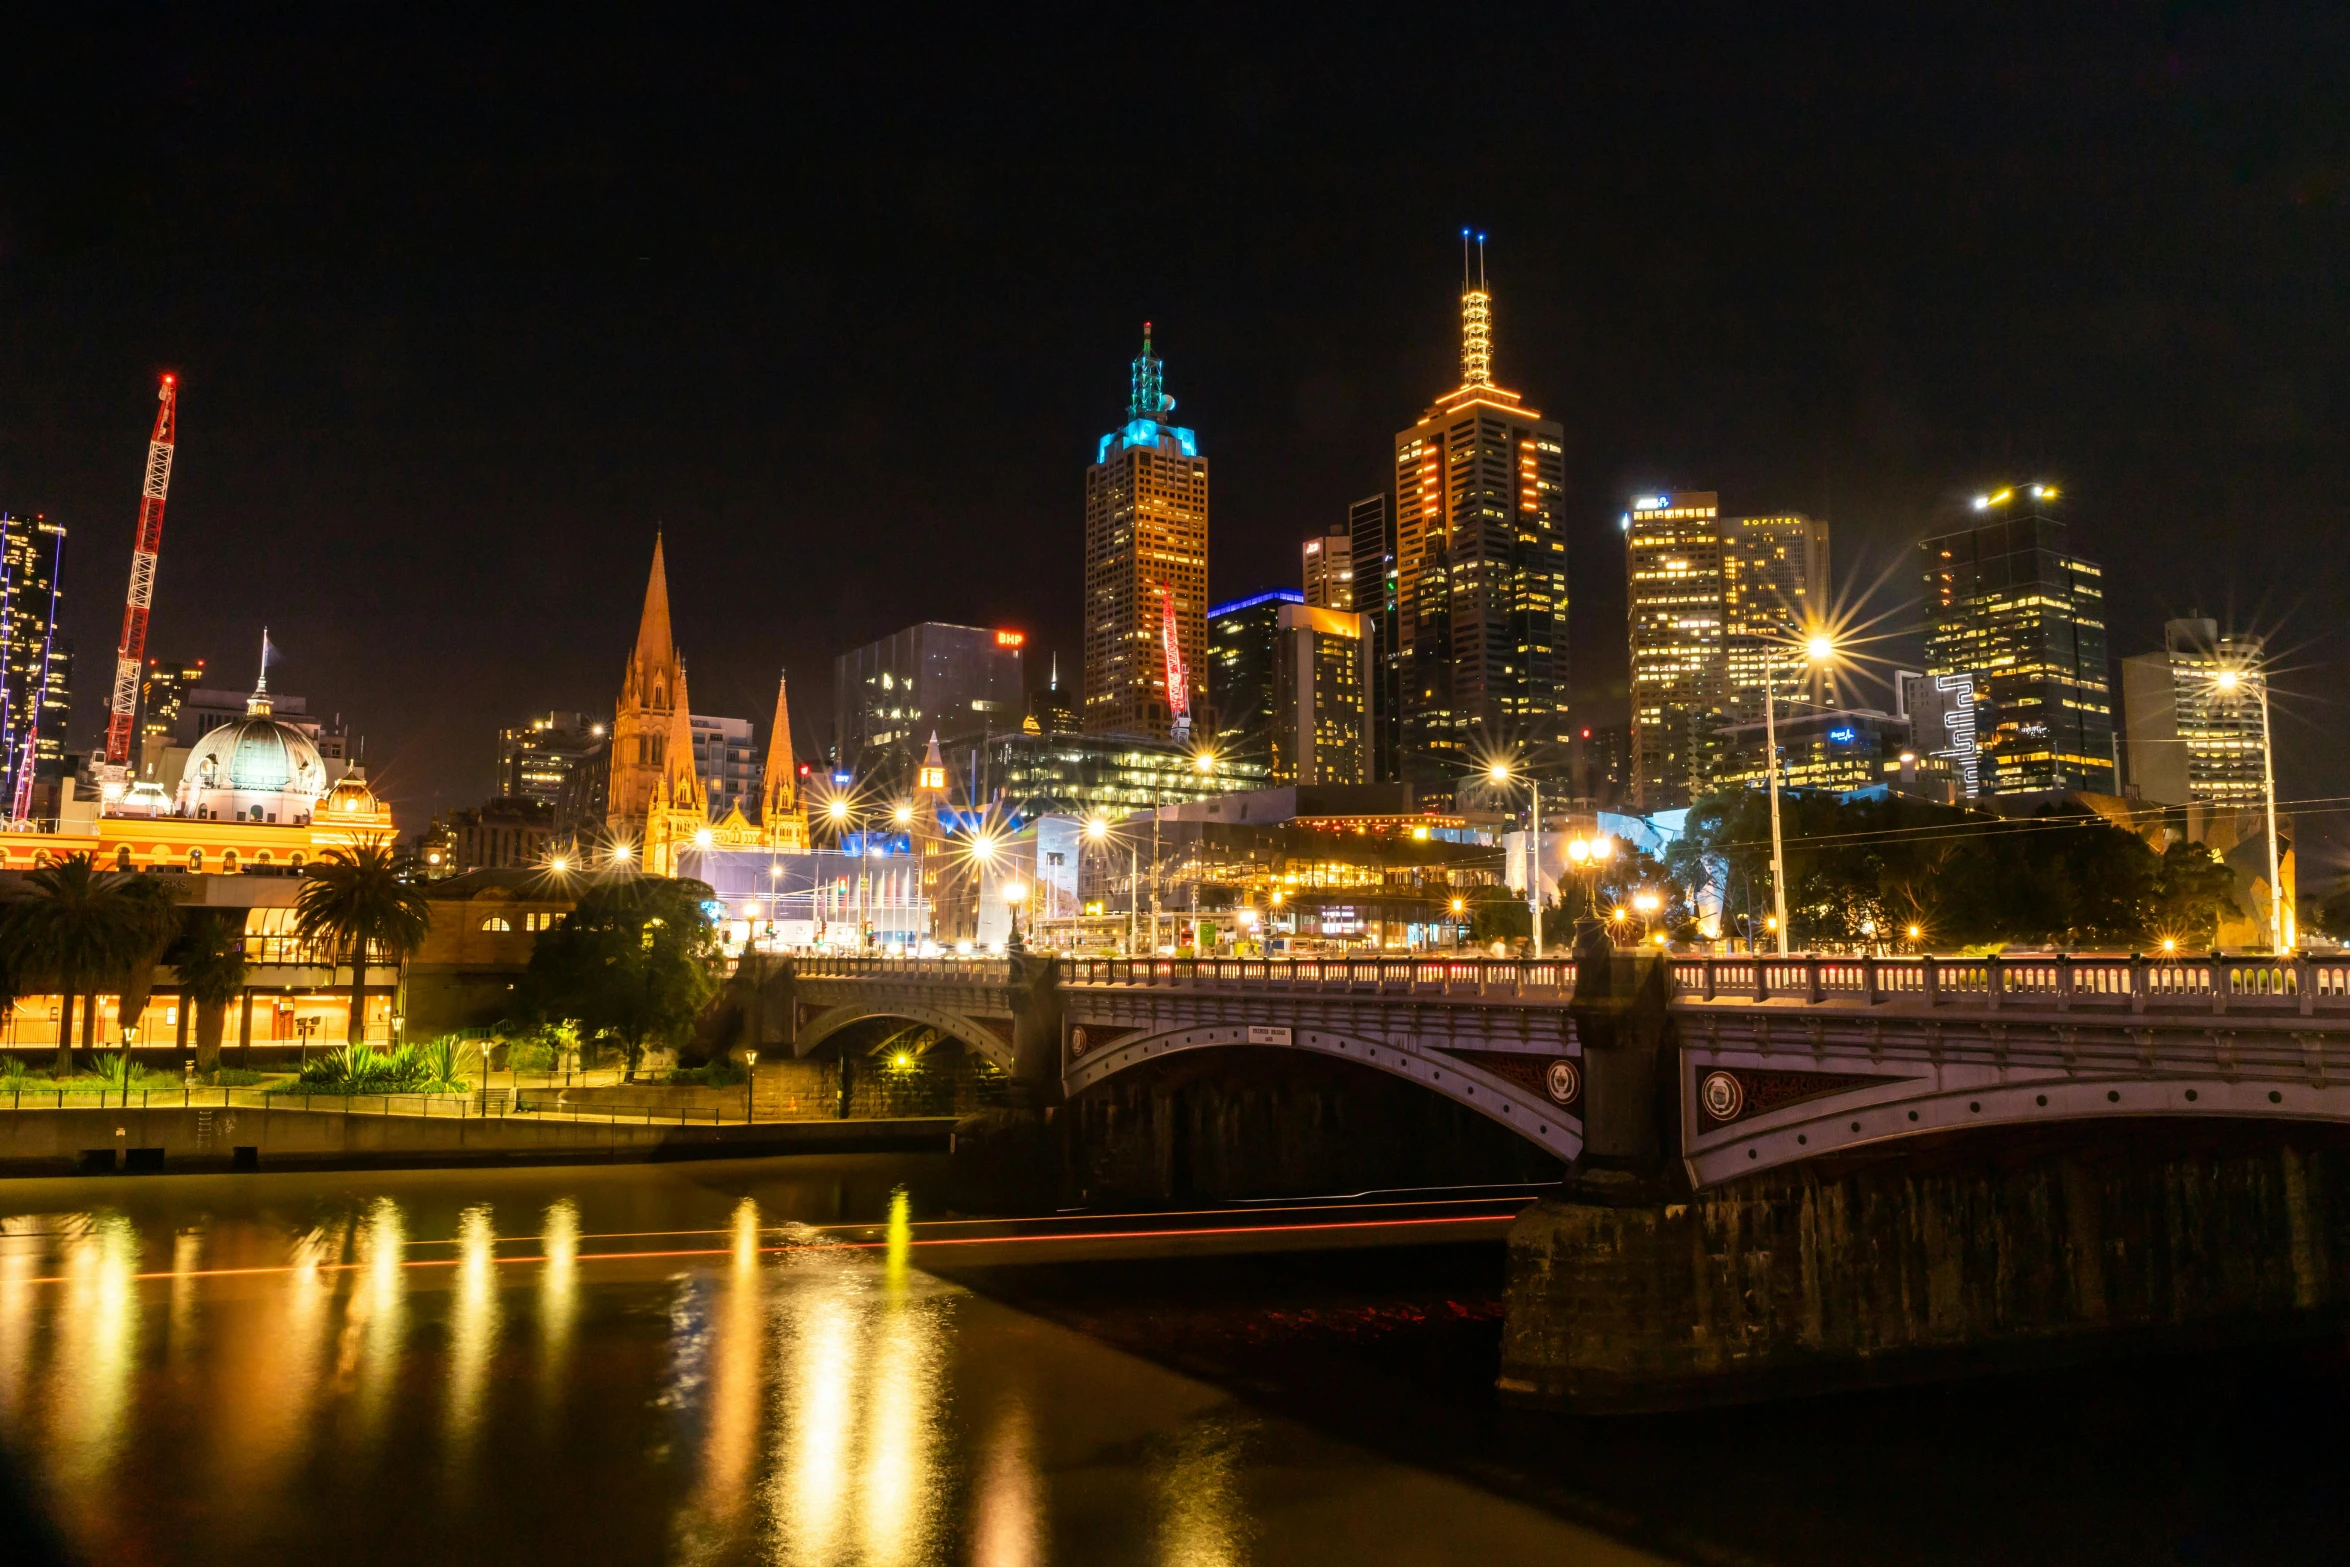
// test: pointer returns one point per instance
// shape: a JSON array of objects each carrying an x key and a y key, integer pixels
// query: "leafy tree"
[
  {"x": 354, "y": 903},
  {"x": 635, "y": 961},
  {"x": 154, "y": 915},
  {"x": 211, "y": 963},
  {"x": 2192, "y": 889},
  {"x": 77, "y": 930}
]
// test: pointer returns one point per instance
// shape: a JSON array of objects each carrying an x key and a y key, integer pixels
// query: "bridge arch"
[
  {"x": 1554, "y": 1128},
  {"x": 971, "y": 1035}
]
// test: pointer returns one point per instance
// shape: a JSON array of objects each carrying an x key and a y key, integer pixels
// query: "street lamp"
[
  {"x": 2281, "y": 935},
  {"x": 750, "y": 1082},
  {"x": 1015, "y": 894},
  {"x": 1818, "y": 649},
  {"x": 1500, "y": 773}
]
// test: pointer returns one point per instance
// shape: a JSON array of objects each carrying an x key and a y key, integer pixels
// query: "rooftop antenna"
[
  {"x": 1480, "y": 261},
  {"x": 1464, "y": 261}
]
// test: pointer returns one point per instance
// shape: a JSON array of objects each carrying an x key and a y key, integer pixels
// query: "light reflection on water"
[{"x": 771, "y": 1398}]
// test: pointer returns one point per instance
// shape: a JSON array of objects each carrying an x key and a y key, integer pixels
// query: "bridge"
[
  {"x": 1775, "y": 1174},
  {"x": 1779, "y": 1060}
]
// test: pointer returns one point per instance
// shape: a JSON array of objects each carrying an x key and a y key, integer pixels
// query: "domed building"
[{"x": 254, "y": 770}]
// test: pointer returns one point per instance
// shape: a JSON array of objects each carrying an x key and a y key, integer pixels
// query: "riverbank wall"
[{"x": 178, "y": 1139}]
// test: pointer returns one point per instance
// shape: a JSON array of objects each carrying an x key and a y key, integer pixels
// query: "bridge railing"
[{"x": 2058, "y": 982}]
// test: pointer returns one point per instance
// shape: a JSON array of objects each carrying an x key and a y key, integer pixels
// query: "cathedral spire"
[
  {"x": 779, "y": 796},
  {"x": 652, "y": 670},
  {"x": 681, "y": 781}
]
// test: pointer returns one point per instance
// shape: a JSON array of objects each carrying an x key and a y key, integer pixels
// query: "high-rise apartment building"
[
  {"x": 1675, "y": 609},
  {"x": 1330, "y": 575},
  {"x": 536, "y": 758},
  {"x": 2011, "y": 603},
  {"x": 1718, "y": 607},
  {"x": 35, "y": 667},
  {"x": 1243, "y": 644},
  {"x": 1371, "y": 521},
  {"x": 726, "y": 759},
  {"x": 1320, "y": 659},
  {"x": 1146, "y": 569},
  {"x": 2192, "y": 735},
  {"x": 1481, "y": 570}
]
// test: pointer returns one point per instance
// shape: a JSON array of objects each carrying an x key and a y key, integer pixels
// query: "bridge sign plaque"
[{"x": 1259, "y": 1034}]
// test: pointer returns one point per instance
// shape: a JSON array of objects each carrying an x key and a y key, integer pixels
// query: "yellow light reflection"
[
  {"x": 558, "y": 1295},
  {"x": 187, "y": 1255},
  {"x": 819, "y": 1404},
  {"x": 377, "y": 1322},
  {"x": 1201, "y": 1521},
  {"x": 473, "y": 1327},
  {"x": 20, "y": 1263},
  {"x": 97, "y": 1340},
  {"x": 273, "y": 1364},
  {"x": 1004, "y": 1530},
  {"x": 735, "y": 1379}
]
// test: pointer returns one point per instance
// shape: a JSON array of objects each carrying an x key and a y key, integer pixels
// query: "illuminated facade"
[
  {"x": 1372, "y": 522},
  {"x": 1242, "y": 638},
  {"x": 1330, "y": 569},
  {"x": 2010, "y": 603},
  {"x": 1774, "y": 586},
  {"x": 1146, "y": 545},
  {"x": 1674, "y": 563},
  {"x": 1717, "y": 604},
  {"x": 536, "y": 759},
  {"x": 2190, "y": 736},
  {"x": 1845, "y": 749},
  {"x": 1481, "y": 571},
  {"x": 955, "y": 680},
  {"x": 163, "y": 691},
  {"x": 35, "y": 674},
  {"x": 1320, "y": 664}
]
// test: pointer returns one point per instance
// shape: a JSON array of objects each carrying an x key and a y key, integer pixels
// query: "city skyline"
[{"x": 1880, "y": 400}]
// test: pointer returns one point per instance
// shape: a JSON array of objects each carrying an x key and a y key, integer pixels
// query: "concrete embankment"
[{"x": 60, "y": 1141}]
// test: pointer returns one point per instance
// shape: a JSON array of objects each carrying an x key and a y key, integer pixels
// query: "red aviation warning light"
[{"x": 124, "y": 708}]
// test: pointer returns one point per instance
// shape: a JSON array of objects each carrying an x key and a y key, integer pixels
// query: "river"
[{"x": 800, "y": 1361}]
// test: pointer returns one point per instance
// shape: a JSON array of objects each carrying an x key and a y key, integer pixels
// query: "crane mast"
[
  {"x": 123, "y": 711},
  {"x": 1178, "y": 677}
]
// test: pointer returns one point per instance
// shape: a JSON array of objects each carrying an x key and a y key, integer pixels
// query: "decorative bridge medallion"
[
  {"x": 1557, "y": 1078},
  {"x": 1727, "y": 1096}
]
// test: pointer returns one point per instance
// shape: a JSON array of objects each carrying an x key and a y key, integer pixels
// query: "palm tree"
[
  {"x": 154, "y": 917},
  {"x": 211, "y": 961},
  {"x": 354, "y": 901},
  {"x": 77, "y": 929}
]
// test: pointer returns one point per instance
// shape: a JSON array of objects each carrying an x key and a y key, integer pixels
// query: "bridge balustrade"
[{"x": 2058, "y": 981}]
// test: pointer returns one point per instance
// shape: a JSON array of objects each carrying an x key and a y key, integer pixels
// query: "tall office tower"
[
  {"x": 1774, "y": 588},
  {"x": 536, "y": 758},
  {"x": 1243, "y": 645},
  {"x": 1481, "y": 569},
  {"x": 1330, "y": 575},
  {"x": 2009, "y": 602},
  {"x": 1319, "y": 659},
  {"x": 35, "y": 669},
  {"x": 2188, "y": 737},
  {"x": 162, "y": 690},
  {"x": 1675, "y": 602},
  {"x": 1372, "y": 522},
  {"x": 1146, "y": 568}
]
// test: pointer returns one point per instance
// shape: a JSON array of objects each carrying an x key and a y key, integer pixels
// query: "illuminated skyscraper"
[
  {"x": 2188, "y": 737},
  {"x": 1675, "y": 609},
  {"x": 1330, "y": 573},
  {"x": 2010, "y": 602},
  {"x": 1481, "y": 569},
  {"x": 1774, "y": 585},
  {"x": 1716, "y": 603},
  {"x": 1372, "y": 522},
  {"x": 162, "y": 690},
  {"x": 1146, "y": 552},
  {"x": 35, "y": 668}
]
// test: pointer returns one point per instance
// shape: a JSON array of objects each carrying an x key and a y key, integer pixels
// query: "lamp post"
[
  {"x": 1015, "y": 894},
  {"x": 1818, "y": 649},
  {"x": 2229, "y": 681},
  {"x": 1500, "y": 773},
  {"x": 750, "y": 1084}
]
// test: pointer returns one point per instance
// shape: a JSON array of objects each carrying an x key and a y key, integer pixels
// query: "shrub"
[
  {"x": 429, "y": 1067},
  {"x": 234, "y": 1077}
]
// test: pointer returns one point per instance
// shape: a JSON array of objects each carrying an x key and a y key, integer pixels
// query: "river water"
[{"x": 701, "y": 1363}]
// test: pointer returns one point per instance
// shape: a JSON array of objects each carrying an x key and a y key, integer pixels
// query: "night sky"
[{"x": 463, "y": 315}]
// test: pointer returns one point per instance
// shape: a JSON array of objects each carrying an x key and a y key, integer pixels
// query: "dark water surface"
[{"x": 643, "y": 1364}]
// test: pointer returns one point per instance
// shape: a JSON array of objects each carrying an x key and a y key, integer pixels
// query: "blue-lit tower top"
[{"x": 1147, "y": 404}]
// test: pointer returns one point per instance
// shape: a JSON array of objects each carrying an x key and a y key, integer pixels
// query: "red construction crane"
[
  {"x": 124, "y": 710},
  {"x": 1178, "y": 677}
]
